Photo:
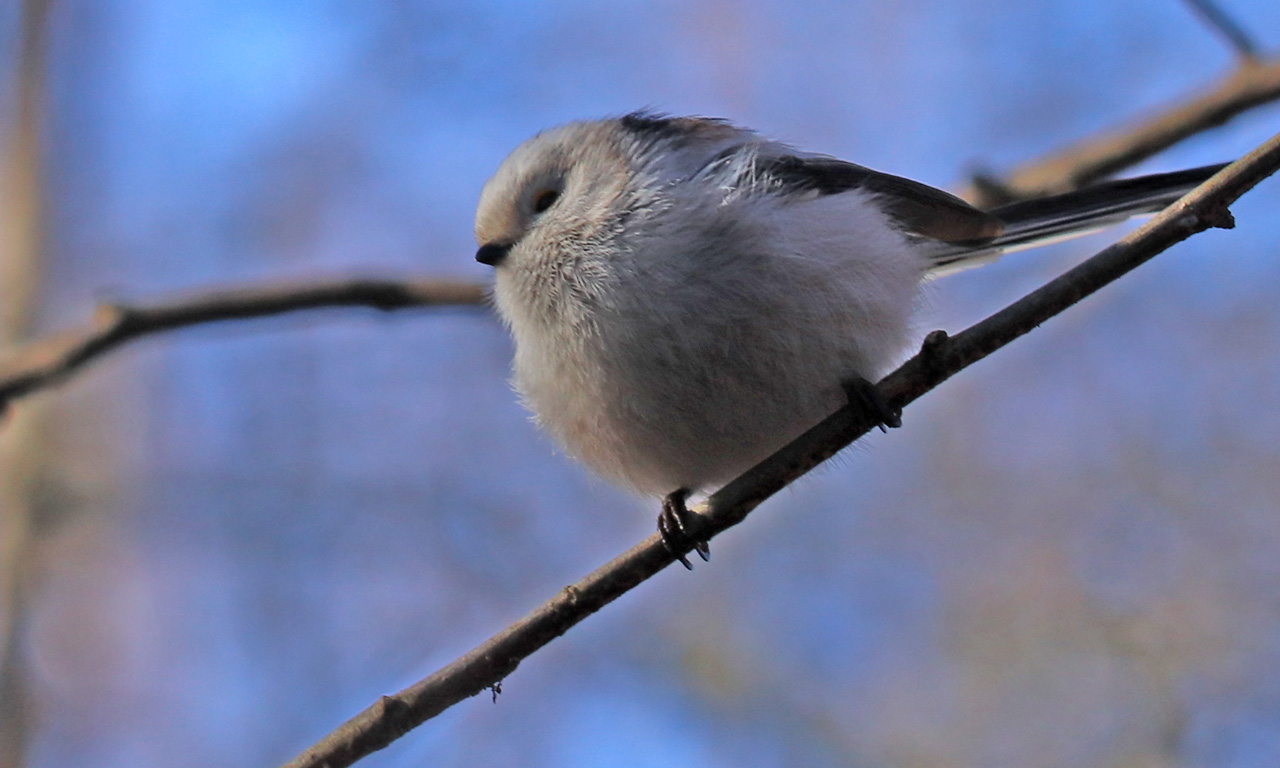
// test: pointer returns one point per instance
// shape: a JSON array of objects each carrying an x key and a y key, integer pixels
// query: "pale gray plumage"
[{"x": 686, "y": 297}]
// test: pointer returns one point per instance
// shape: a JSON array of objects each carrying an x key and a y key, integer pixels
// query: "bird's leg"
[
  {"x": 863, "y": 394},
  {"x": 671, "y": 525}
]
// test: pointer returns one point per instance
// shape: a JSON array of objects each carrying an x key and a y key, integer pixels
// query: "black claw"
[
  {"x": 675, "y": 536},
  {"x": 863, "y": 394},
  {"x": 670, "y": 535}
]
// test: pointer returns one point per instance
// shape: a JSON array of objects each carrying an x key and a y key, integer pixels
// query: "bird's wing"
[{"x": 919, "y": 209}]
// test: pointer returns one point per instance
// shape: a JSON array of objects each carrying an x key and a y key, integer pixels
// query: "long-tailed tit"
[{"x": 686, "y": 297}]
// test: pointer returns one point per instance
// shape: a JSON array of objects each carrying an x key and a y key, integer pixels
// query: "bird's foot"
[
  {"x": 672, "y": 526},
  {"x": 865, "y": 395}
]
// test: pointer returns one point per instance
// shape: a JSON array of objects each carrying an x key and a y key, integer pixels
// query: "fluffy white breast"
[{"x": 671, "y": 331}]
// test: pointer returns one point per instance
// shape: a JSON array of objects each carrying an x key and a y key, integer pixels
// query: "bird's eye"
[{"x": 545, "y": 199}]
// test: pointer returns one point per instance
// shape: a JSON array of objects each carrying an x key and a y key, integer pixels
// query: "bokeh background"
[{"x": 238, "y": 536}]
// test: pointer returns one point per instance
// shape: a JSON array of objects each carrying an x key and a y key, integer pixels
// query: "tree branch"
[
  {"x": 485, "y": 666},
  {"x": 1226, "y": 26},
  {"x": 22, "y": 270},
  {"x": 1254, "y": 83},
  {"x": 48, "y": 361}
]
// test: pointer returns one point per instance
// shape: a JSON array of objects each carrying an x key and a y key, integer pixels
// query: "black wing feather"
[{"x": 918, "y": 208}]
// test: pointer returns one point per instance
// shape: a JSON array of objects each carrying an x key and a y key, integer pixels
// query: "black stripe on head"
[
  {"x": 655, "y": 126},
  {"x": 652, "y": 124}
]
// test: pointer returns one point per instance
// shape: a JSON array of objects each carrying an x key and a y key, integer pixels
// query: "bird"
[{"x": 686, "y": 296}]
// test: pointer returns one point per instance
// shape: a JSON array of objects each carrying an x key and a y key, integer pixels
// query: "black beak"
[{"x": 493, "y": 254}]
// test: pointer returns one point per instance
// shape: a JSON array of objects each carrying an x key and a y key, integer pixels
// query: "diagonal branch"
[
  {"x": 48, "y": 361},
  {"x": 486, "y": 665},
  {"x": 1223, "y": 24},
  {"x": 1253, "y": 83}
]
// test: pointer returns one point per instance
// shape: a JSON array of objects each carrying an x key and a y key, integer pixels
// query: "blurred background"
[{"x": 220, "y": 543}]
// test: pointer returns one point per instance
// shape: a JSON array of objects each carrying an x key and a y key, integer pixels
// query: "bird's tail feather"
[{"x": 1059, "y": 217}]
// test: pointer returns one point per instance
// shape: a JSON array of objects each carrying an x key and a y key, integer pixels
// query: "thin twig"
[
  {"x": 1252, "y": 84},
  {"x": 941, "y": 357},
  {"x": 1221, "y": 21},
  {"x": 48, "y": 361}
]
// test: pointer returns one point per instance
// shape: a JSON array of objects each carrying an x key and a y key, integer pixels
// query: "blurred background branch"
[
  {"x": 42, "y": 363},
  {"x": 1221, "y": 22},
  {"x": 22, "y": 230},
  {"x": 1255, "y": 81}
]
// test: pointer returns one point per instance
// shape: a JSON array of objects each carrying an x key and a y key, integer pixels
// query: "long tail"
[{"x": 1048, "y": 219}]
